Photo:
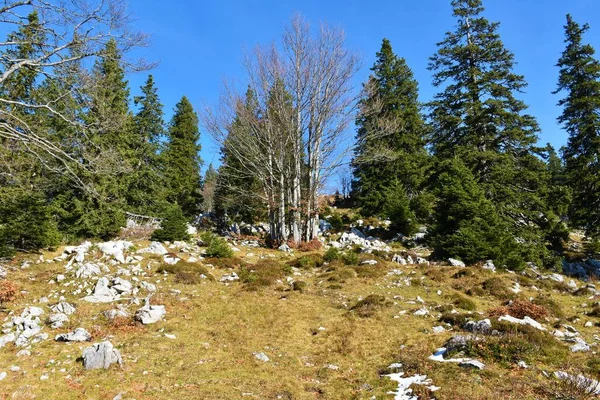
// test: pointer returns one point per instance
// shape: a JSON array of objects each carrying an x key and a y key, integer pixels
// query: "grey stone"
[
  {"x": 78, "y": 335},
  {"x": 483, "y": 326},
  {"x": 64, "y": 308},
  {"x": 122, "y": 285},
  {"x": 8, "y": 338},
  {"x": 261, "y": 357},
  {"x": 57, "y": 320},
  {"x": 472, "y": 364},
  {"x": 150, "y": 314},
  {"x": 148, "y": 286},
  {"x": 285, "y": 248},
  {"x": 101, "y": 355},
  {"x": 88, "y": 270},
  {"x": 102, "y": 293},
  {"x": 456, "y": 263}
]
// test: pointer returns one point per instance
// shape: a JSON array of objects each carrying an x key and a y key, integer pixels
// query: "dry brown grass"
[
  {"x": 520, "y": 309},
  {"x": 8, "y": 291}
]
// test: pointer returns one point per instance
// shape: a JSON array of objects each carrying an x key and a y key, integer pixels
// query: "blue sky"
[{"x": 200, "y": 43}]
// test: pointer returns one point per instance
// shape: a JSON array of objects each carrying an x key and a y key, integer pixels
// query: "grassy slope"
[{"x": 218, "y": 327}]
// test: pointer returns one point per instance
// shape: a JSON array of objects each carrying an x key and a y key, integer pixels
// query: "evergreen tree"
[
  {"x": 477, "y": 118},
  {"x": 173, "y": 226},
  {"x": 146, "y": 192},
  {"x": 237, "y": 188},
  {"x": 182, "y": 159},
  {"x": 580, "y": 80},
  {"x": 26, "y": 223},
  {"x": 467, "y": 225},
  {"x": 390, "y": 150},
  {"x": 99, "y": 210},
  {"x": 208, "y": 188}
]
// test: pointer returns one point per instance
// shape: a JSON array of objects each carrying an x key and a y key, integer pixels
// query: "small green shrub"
[
  {"x": 463, "y": 302},
  {"x": 219, "y": 248},
  {"x": 263, "y": 273},
  {"x": 350, "y": 258},
  {"x": 336, "y": 221},
  {"x": 173, "y": 226},
  {"x": 299, "y": 286},
  {"x": 455, "y": 319},
  {"x": 185, "y": 272},
  {"x": 331, "y": 254},
  {"x": 308, "y": 261},
  {"x": 497, "y": 288},
  {"x": 369, "y": 305}
]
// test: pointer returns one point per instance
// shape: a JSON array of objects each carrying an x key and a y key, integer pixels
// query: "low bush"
[
  {"x": 263, "y": 273},
  {"x": 520, "y": 309},
  {"x": 8, "y": 291},
  {"x": 313, "y": 245},
  {"x": 219, "y": 248},
  {"x": 331, "y": 254},
  {"x": 498, "y": 288},
  {"x": 173, "y": 226},
  {"x": 185, "y": 272},
  {"x": 299, "y": 286},
  {"x": 226, "y": 262},
  {"x": 351, "y": 258},
  {"x": 308, "y": 261},
  {"x": 369, "y": 305},
  {"x": 463, "y": 302},
  {"x": 455, "y": 319}
]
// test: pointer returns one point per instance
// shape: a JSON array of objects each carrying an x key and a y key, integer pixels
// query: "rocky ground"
[{"x": 142, "y": 320}]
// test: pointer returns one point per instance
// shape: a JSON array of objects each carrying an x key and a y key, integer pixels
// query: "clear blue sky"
[{"x": 200, "y": 43}]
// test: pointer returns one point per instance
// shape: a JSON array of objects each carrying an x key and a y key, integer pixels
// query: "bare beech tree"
[
  {"x": 70, "y": 32},
  {"x": 295, "y": 137}
]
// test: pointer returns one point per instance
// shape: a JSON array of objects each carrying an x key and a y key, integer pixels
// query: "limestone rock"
[
  {"x": 154, "y": 248},
  {"x": 78, "y": 335},
  {"x": 88, "y": 270},
  {"x": 456, "y": 263},
  {"x": 101, "y": 355},
  {"x": 150, "y": 314}
]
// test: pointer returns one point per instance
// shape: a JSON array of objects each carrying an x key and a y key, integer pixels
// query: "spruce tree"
[
  {"x": 236, "y": 192},
  {"x": 99, "y": 210},
  {"x": 390, "y": 150},
  {"x": 208, "y": 188},
  {"x": 467, "y": 225},
  {"x": 146, "y": 192},
  {"x": 580, "y": 80},
  {"x": 173, "y": 226},
  {"x": 182, "y": 159},
  {"x": 478, "y": 118}
]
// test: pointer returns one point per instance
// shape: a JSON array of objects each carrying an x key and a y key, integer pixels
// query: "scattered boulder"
[
  {"x": 524, "y": 321},
  {"x": 285, "y": 248},
  {"x": 63, "y": 307},
  {"x": 78, "y": 335},
  {"x": 489, "y": 265},
  {"x": 150, "y": 314},
  {"x": 118, "y": 312},
  {"x": 154, "y": 248},
  {"x": 102, "y": 293},
  {"x": 261, "y": 357},
  {"x": 230, "y": 277},
  {"x": 122, "y": 285},
  {"x": 473, "y": 364},
  {"x": 57, "y": 320},
  {"x": 101, "y": 355},
  {"x": 456, "y": 263},
  {"x": 398, "y": 259},
  {"x": 484, "y": 326},
  {"x": 171, "y": 259},
  {"x": 88, "y": 270}
]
